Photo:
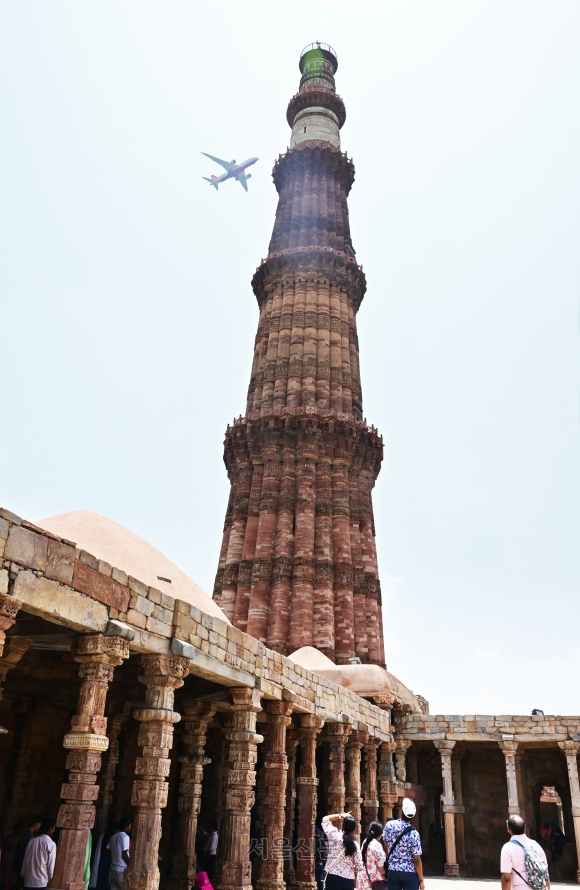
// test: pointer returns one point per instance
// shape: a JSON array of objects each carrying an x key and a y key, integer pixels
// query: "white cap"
[{"x": 409, "y": 808}]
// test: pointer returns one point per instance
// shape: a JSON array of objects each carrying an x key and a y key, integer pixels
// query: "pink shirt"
[
  {"x": 513, "y": 859},
  {"x": 337, "y": 863}
]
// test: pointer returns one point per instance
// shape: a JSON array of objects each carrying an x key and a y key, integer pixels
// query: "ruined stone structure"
[
  {"x": 298, "y": 564},
  {"x": 126, "y": 690}
]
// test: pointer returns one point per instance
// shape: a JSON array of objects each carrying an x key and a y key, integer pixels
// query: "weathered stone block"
[
  {"x": 101, "y": 588},
  {"x": 11, "y": 517},
  {"x": 89, "y": 560},
  {"x": 105, "y": 568},
  {"x": 155, "y": 595},
  {"x": 138, "y": 587},
  {"x": 60, "y": 562},
  {"x": 136, "y": 618},
  {"x": 120, "y": 577},
  {"x": 59, "y": 604},
  {"x": 158, "y": 627},
  {"x": 145, "y": 606},
  {"x": 27, "y": 548}
]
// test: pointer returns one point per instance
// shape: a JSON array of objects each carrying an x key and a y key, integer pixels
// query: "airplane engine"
[{"x": 248, "y": 175}]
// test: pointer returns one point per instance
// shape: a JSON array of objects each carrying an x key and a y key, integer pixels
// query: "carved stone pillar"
[
  {"x": 236, "y": 867},
  {"x": 337, "y": 735},
  {"x": 386, "y": 778},
  {"x": 292, "y": 742},
  {"x": 353, "y": 797},
  {"x": 98, "y": 656},
  {"x": 509, "y": 748},
  {"x": 401, "y": 748},
  {"x": 570, "y": 749},
  {"x": 196, "y": 717},
  {"x": 108, "y": 776},
  {"x": 228, "y": 724},
  {"x": 276, "y": 770},
  {"x": 163, "y": 674},
  {"x": 459, "y": 807},
  {"x": 307, "y": 783},
  {"x": 9, "y": 608},
  {"x": 371, "y": 793},
  {"x": 451, "y": 865}
]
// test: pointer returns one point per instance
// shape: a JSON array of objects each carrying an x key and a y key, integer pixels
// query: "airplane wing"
[
  {"x": 225, "y": 164},
  {"x": 242, "y": 180}
]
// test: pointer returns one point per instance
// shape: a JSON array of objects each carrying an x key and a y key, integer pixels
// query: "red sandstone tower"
[{"x": 298, "y": 563}]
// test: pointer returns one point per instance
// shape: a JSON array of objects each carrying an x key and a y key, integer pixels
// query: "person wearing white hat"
[{"x": 403, "y": 868}]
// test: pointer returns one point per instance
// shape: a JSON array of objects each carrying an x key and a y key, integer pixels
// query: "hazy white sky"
[{"x": 127, "y": 318}]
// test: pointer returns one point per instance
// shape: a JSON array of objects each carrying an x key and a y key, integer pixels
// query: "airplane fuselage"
[{"x": 235, "y": 171}]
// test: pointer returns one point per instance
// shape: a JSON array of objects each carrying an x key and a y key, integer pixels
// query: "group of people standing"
[
  {"x": 390, "y": 857},
  {"x": 28, "y": 855}
]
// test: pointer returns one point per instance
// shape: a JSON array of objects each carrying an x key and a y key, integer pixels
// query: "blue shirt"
[{"x": 408, "y": 846}]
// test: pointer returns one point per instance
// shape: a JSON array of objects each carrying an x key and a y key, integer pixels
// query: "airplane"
[{"x": 233, "y": 171}]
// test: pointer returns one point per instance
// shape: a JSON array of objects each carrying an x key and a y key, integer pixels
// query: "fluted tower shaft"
[{"x": 298, "y": 562}]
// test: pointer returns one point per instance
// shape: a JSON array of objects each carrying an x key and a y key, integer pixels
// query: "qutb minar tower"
[{"x": 298, "y": 564}]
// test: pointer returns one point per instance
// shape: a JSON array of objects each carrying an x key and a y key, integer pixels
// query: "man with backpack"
[
  {"x": 523, "y": 863},
  {"x": 403, "y": 868}
]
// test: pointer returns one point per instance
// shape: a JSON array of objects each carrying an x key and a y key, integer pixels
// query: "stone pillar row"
[{"x": 98, "y": 655}]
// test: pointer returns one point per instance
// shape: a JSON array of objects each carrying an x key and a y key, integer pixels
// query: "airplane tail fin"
[{"x": 211, "y": 182}]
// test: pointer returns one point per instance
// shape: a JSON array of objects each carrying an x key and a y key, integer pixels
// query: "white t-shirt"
[
  {"x": 39, "y": 859},
  {"x": 118, "y": 843},
  {"x": 513, "y": 859}
]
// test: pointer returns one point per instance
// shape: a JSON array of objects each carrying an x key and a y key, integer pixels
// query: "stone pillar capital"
[
  {"x": 403, "y": 745},
  {"x": 569, "y": 747},
  {"x": 444, "y": 746},
  {"x": 246, "y": 698},
  {"x": 509, "y": 747}
]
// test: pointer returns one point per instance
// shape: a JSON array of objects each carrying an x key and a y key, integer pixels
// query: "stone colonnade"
[
  {"x": 453, "y": 808},
  {"x": 280, "y": 803}
]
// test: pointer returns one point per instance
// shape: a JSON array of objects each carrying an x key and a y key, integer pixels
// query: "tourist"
[
  {"x": 202, "y": 881},
  {"x": 210, "y": 850},
  {"x": 514, "y": 873},
  {"x": 8, "y": 875},
  {"x": 404, "y": 866},
  {"x": 343, "y": 859},
  {"x": 558, "y": 839},
  {"x": 25, "y": 838},
  {"x": 373, "y": 857},
  {"x": 118, "y": 846},
  {"x": 40, "y": 856},
  {"x": 99, "y": 879}
]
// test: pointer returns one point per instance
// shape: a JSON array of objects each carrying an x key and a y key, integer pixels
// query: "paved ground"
[{"x": 469, "y": 883}]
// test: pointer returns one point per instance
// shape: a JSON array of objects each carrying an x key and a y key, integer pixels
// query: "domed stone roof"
[
  {"x": 117, "y": 545},
  {"x": 366, "y": 680}
]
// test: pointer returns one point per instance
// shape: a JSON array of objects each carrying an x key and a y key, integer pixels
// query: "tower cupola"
[{"x": 316, "y": 112}]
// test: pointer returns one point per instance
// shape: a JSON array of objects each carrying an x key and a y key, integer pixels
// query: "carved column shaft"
[
  {"x": 197, "y": 716},
  {"x": 337, "y": 735},
  {"x": 108, "y": 776},
  {"x": 292, "y": 742},
  {"x": 236, "y": 867},
  {"x": 459, "y": 805},
  {"x": 451, "y": 865},
  {"x": 276, "y": 770},
  {"x": 401, "y": 748},
  {"x": 386, "y": 778},
  {"x": 98, "y": 656},
  {"x": 371, "y": 796},
  {"x": 509, "y": 749},
  {"x": 570, "y": 749},
  {"x": 307, "y": 783},
  {"x": 353, "y": 796},
  {"x": 163, "y": 674}
]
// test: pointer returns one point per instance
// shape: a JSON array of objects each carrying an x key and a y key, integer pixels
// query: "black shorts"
[
  {"x": 402, "y": 880},
  {"x": 336, "y": 882}
]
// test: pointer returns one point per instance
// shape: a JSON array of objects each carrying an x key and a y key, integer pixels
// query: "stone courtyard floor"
[{"x": 469, "y": 883}]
